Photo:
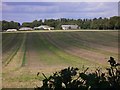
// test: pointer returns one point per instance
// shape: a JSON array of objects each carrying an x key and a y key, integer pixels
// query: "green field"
[{"x": 26, "y": 53}]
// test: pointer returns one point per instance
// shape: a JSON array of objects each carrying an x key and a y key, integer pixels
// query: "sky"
[
  {"x": 60, "y": 0},
  {"x": 29, "y": 11}
]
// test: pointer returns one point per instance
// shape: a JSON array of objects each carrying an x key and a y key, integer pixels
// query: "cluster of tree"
[
  {"x": 96, "y": 23},
  {"x": 9, "y": 25},
  {"x": 71, "y": 78},
  {"x": 33, "y": 24}
]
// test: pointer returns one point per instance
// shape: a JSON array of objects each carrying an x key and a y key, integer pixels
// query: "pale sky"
[
  {"x": 60, "y": 0},
  {"x": 29, "y": 11}
]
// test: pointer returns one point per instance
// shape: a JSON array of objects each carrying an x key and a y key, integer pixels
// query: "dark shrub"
[{"x": 71, "y": 78}]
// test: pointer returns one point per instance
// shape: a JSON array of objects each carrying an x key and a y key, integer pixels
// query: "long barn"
[
  {"x": 67, "y": 27},
  {"x": 25, "y": 29}
]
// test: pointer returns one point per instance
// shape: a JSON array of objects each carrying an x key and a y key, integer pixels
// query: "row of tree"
[
  {"x": 9, "y": 25},
  {"x": 96, "y": 23}
]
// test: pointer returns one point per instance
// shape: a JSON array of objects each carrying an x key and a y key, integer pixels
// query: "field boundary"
[{"x": 58, "y": 31}]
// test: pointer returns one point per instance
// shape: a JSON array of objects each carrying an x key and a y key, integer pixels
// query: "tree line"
[{"x": 96, "y": 23}]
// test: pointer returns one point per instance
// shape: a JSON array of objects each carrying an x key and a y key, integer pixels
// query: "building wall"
[
  {"x": 25, "y": 29},
  {"x": 67, "y": 27}
]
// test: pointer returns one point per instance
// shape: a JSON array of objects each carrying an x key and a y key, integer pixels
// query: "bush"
[{"x": 71, "y": 78}]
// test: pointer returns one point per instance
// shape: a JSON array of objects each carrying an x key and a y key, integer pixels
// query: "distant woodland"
[{"x": 100, "y": 23}]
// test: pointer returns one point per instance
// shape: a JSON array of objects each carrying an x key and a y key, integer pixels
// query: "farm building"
[
  {"x": 44, "y": 27},
  {"x": 67, "y": 27},
  {"x": 11, "y": 30},
  {"x": 25, "y": 28}
]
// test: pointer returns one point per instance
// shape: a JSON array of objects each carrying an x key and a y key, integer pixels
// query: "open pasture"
[{"x": 26, "y": 53}]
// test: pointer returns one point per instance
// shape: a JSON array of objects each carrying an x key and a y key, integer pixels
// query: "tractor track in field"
[
  {"x": 64, "y": 59},
  {"x": 66, "y": 51},
  {"x": 47, "y": 52},
  {"x": 53, "y": 47},
  {"x": 39, "y": 57},
  {"x": 8, "y": 45},
  {"x": 15, "y": 61},
  {"x": 10, "y": 53},
  {"x": 98, "y": 44},
  {"x": 74, "y": 50},
  {"x": 95, "y": 47},
  {"x": 32, "y": 54},
  {"x": 88, "y": 43}
]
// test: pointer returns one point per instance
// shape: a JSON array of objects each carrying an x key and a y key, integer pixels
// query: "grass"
[
  {"x": 49, "y": 51},
  {"x": 24, "y": 50},
  {"x": 63, "y": 57},
  {"x": 11, "y": 48},
  {"x": 64, "y": 40}
]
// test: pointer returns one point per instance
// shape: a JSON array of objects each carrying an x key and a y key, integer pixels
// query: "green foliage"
[
  {"x": 100, "y": 23},
  {"x": 71, "y": 78},
  {"x": 114, "y": 73},
  {"x": 24, "y": 55},
  {"x": 26, "y": 24},
  {"x": 33, "y": 24},
  {"x": 36, "y": 23},
  {"x": 10, "y": 25}
]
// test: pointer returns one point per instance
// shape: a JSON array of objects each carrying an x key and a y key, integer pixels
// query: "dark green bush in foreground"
[{"x": 72, "y": 78}]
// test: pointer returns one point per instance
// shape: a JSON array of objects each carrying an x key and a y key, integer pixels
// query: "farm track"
[{"x": 47, "y": 52}]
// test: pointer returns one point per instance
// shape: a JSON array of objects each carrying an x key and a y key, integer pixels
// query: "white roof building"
[
  {"x": 67, "y": 27},
  {"x": 25, "y": 28},
  {"x": 11, "y": 30},
  {"x": 44, "y": 27}
]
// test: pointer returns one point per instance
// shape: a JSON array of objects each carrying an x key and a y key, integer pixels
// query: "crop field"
[{"x": 24, "y": 54}]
